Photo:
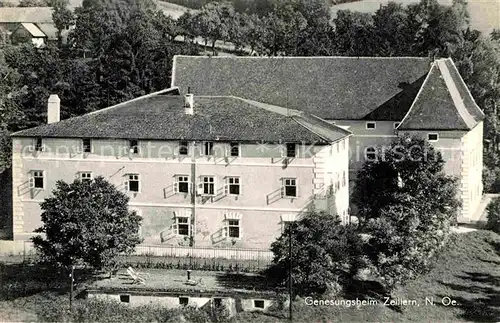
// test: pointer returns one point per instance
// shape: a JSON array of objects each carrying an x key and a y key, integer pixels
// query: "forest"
[{"x": 121, "y": 49}]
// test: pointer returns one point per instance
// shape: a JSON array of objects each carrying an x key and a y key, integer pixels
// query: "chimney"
[
  {"x": 53, "y": 109},
  {"x": 189, "y": 103}
]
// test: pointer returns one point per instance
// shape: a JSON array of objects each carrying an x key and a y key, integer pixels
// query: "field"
[
  {"x": 484, "y": 14},
  {"x": 467, "y": 272}
]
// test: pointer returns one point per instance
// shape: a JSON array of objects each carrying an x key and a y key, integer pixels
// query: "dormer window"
[
  {"x": 38, "y": 144},
  {"x": 371, "y": 125},
  {"x": 183, "y": 148},
  {"x": 291, "y": 150},
  {"x": 86, "y": 145},
  {"x": 134, "y": 146},
  {"x": 432, "y": 137},
  {"x": 208, "y": 148}
]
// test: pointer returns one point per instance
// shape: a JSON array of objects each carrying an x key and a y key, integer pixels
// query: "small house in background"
[{"x": 29, "y": 24}]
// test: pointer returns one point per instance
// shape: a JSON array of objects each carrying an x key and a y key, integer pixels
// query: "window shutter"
[
  {"x": 125, "y": 183},
  {"x": 297, "y": 187},
  {"x": 32, "y": 181},
  {"x": 176, "y": 186},
  {"x": 174, "y": 227},
  {"x": 282, "y": 152},
  {"x": 199, "y": 189},
  {"x": 226, "y": 229},
  {"x": 282, "y": 188},
  {"x": 226, "y": 186},
  {"x": 43, "y": 147}
]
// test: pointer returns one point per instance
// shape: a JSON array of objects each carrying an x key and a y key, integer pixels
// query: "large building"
[
  {"x": 375, "y": 98},
  {"x": 237, "y": 147},
  {"x": 221, "y": 171}
]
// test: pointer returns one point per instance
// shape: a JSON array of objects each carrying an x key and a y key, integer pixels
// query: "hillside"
[{"x": 467, "y": 271}]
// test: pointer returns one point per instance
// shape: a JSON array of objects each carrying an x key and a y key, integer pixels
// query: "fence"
[{"x": 172, "y": 257}]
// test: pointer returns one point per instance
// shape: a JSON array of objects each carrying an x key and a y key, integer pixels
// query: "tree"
[
  {"x": 88, "y": 223},
  {"x": 62, "y": 17},
  {"x": 282, "y": 29},
  {"x": 493, "y": 216},
  {"x": 214, "y": 21},
  {"x": 354, "y": 34},
  {"x": 406, "y": 204},
  {"x": 325, "y": 253}
]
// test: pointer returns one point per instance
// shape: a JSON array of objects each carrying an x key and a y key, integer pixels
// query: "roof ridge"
[
  {"x": 306, "y": 57},
  {"x": 295, "y": 118},
  {"x": 134, "y": 99},
  {"x": 269, "y": 107},
  {"x": 455, "y": 94}
]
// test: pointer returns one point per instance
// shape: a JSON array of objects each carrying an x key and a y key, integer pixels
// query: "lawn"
[{"x": 466, "y": 271}]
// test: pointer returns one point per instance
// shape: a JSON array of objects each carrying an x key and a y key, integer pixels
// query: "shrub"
[
  {"x": 493, "y": 216},
  {"x": 323, "y": 251}
]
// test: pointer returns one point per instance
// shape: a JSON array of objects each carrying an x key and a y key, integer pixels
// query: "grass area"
[{"x": 467, "y": 271}]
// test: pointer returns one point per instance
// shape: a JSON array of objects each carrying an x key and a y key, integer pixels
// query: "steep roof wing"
[{"x": 443, "y": 103}]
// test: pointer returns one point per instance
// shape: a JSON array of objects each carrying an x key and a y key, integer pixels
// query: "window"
[
  {"x": 181, "y": 184},
  {"x": 337, "y": 181},
  {"x": 343, "y": 145},
  {"x": 133, "y": 184},
  {"x": 86, "y": 145},
  {"x": 183, "y": 148},
  {"x": 233, "y": 228},
  {"x": 208, "y": 185},
  {"x": 208, "y": 148},
  {"x": 85, "y": 176},
  {"x": 38, "y": 144},
  {"x": 182, "y": 224},
  {"x": 289, "y": 188},
  {"x": 258, "y": 303},
  {"x": 233, "y": 186},
  {"x": 36, "y": 179},
  {"x": 433, "y": 137},
  {"x": 134, "y": 146},
  {"x": 235, "y": 149},
  {"x": 396, "y": 124},
  {"x": 125, "y": 298},
  {"x": 290, "y": 150},
  {"x": 183, "y": 301},
  {"x": 370, "y": 154},
  {"x": 344, "y": 180},
  {"x": 371, "y": 125}
]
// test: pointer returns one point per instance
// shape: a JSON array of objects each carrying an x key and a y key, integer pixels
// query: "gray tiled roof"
[
  {"x": 347, "y": 88},
  {"x": 443, "y": 103},
  {"x": 162, "y": 117}
]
